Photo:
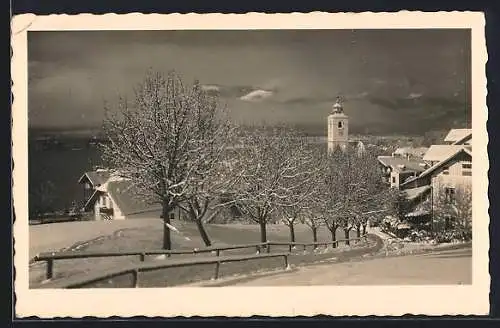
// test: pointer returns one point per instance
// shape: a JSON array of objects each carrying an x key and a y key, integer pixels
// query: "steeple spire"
[{"x": 337, "y": 107}]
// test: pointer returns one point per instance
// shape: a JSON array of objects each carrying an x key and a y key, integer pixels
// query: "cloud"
[
  {"x": 414, "y": 95},
  {"x": 360, "y": 95},
  {"x": 210, "y": 88},
  {"x": 257, "y": 95}
]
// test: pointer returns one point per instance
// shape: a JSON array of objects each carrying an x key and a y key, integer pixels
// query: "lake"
[{"x": 54, "y": 169}]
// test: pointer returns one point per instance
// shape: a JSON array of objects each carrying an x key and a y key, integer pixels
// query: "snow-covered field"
[
  {"x": 142, "y": 234},
  {"x": 55, "y": 236}
]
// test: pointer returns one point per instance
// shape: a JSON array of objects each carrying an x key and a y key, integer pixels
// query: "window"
[
  {"x": 467, "y": 169},
  {"x": 393, "y": 179},
  {"x": 340, "y": 124},
  {"x": 467, "y": 166},
  {"x": 449, "y": 195},
  {"x": 446, "y": 172}
]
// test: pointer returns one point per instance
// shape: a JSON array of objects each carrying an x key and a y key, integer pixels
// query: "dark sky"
[{"x": 276, "y": 76}]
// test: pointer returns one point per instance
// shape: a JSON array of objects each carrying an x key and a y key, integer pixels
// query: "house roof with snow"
[
  {"x": 123, "y": 195},
  {"x": 126, "y": 198},
  {"x": 456, "y": 135},
  {"x": 96, "y": 178},
  {"x": 417, "y": 152},
  {"x": 414, "y": 193},
  {"x": 437, "y": 153},
  {"x": 443, "y": 162},
  {"x": 402, "y": 164}
]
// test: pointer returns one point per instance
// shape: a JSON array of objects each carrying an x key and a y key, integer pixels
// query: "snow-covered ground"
[
  {"x": 394, "y": 245},
  {"x": 56, "y": 236},
  {"x": 443, "y": 267}
]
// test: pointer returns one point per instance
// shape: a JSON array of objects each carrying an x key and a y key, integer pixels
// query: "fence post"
[
  {"x": 257, "y": 248},
  {"x": 50, "y": 269},
  {"x": 289, "y": 248},
  {"x": 286, "y": 261},
  {"x": 135, "y": 278},
  {"x": 216, "y": 273},
  {"x": 305, "y": 247},
  {"x": 142, "y": 257},
  {"x": 268, "y": 247},
  {"x": 217, "y": 252}
]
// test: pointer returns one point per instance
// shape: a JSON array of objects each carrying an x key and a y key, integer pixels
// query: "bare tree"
[
  {"x": 289, "y": 217},
  {"x": 354, "y": 187},
  {"x": 399, "y": 204},
  {"x": 314, "y": 224},
  {"x": 215, "y": 174},
  {"x": 159, "y": 140},
  {"x": 299, "y": 199},
  {"x": 277, "y": 174},
  {"x": 328, "y": 200},
  {"x": 332, "y": 224},
  {"x": 463, "y": 206},
  {"x": 454, "y": 206}
]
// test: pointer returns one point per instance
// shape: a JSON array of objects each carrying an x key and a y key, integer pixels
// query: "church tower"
[{"x": 338, "y": 128}]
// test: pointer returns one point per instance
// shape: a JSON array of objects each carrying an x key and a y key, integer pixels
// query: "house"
[
  {"x": 93, "y": 179},
  {"x": 453, "y": 168},
  {"x": 112, "y": 197},
  {"x": 438, "y": 153},
  {"x": 459, "y": 137},
  {"x": 396, "y": 170},
  {"x": 441, "y": 170},
  {"x": 410, "y": 153},
  {"x": 452, "y": 172}
]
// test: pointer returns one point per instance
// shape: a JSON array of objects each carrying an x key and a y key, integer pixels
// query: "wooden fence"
[
  {"x": 51, "y": 257},
  {"x": 134, "y": 269}
]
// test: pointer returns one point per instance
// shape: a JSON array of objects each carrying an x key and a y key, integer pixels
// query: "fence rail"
[
  {"x": 51, "y": 257},
  {"x": 134, "y": 270},
  {"x": 315, "y": 244}
]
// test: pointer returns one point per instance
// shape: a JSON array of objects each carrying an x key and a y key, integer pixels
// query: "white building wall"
[
  {"x": 97, "y": 212},
  {"x": 454, "y": 179},
  {"x": 394, "y": 179},
  {"x": 117, "y": 213},
  {"x": 337, "y": 136}
]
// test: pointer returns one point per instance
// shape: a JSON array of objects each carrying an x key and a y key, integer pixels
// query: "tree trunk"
[
  {"x": 167, "y": 243},
  {"x": 263, "y": 232},
  {"x": 346, "y": 236},
  {"x": 315, "y": 234},
  {"x": 358, "y": 231},
  {"x": 203, "y": 233},
  {"x": 292, "y": 233},
  {"x": 364, "y": 228},
  {"x": 333, "y": 231}
]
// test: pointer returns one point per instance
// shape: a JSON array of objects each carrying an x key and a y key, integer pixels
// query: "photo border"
[{"x": 254, "y": 300}]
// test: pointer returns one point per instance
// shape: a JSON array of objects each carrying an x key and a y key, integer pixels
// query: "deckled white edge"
[{"x": 248, "y": 301}]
